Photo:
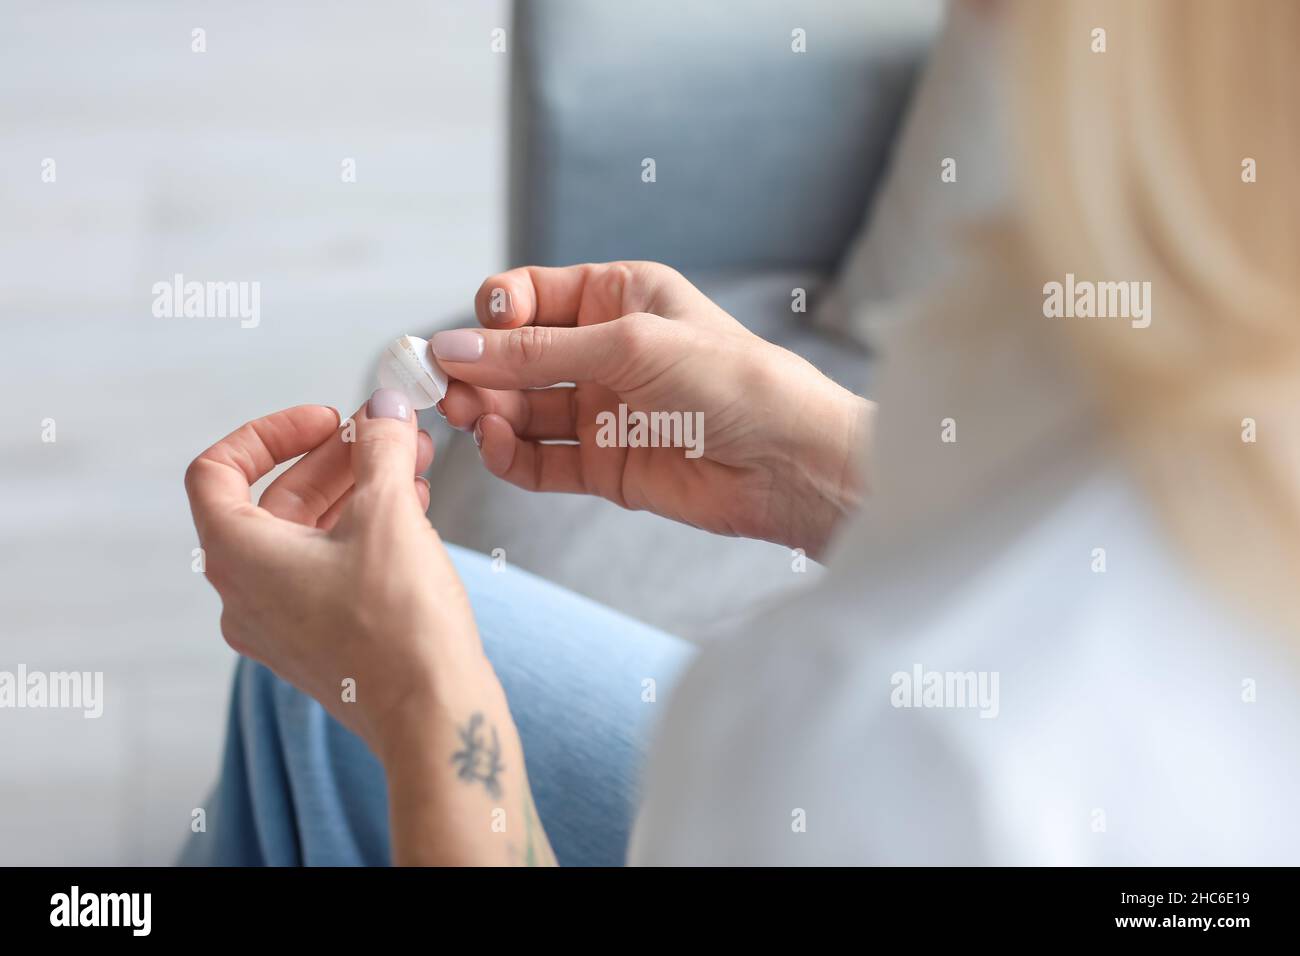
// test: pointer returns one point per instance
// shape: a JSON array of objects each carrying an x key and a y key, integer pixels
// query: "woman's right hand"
[{"x": 779, "y": 445}]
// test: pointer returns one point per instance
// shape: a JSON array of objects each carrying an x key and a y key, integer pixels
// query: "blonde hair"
[{"x": 1134, "y": 168}]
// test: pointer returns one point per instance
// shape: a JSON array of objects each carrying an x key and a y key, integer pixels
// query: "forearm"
[{"x": 458, "y": 790}]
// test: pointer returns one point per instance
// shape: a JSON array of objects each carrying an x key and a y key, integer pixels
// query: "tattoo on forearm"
[{"x": 476, "y": 761}]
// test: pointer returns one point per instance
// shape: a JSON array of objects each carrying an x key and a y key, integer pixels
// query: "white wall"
[{"x": 221, "y": 166}]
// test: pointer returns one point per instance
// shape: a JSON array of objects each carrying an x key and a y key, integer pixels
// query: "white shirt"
[{"x": 1137, "y": 721}]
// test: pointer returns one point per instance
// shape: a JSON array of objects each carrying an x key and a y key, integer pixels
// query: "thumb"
[
  {"x": 535, "y": 356},
  {"x": 383, "y": 453}
]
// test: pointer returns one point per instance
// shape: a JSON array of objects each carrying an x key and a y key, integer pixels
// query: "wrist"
[
  {"x": 821, "y": 458},
  {"x": 844, "y": 455},
  {"x": 458, "y": 793},
  {"x": 412, "y": 727}
]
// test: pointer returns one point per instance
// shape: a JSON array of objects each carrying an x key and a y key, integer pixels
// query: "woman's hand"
[
  {"x": 779, "y": 440},
  {"x": 338, "y": 583},
  {"x": 373, "y": 600}
]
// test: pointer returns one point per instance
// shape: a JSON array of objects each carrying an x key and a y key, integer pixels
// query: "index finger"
[{"x": 219, "y": 481}]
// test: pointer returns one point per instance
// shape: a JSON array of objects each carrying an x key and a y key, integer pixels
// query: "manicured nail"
[
  {"x": 458, "y": 345},
  {"x": 389, "y": 403},
  {"x": 478, "y": 432}
]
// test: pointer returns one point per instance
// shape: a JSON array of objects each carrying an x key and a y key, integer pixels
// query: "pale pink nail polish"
[
  {"x": 458, "y": 345},
  {"x": 389, "y": 403}
]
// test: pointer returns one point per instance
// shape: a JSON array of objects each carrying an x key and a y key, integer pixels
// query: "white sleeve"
[{"x": 780, "y": 752}]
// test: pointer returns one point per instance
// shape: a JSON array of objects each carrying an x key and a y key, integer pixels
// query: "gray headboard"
[{"x": 764, "y": 157}]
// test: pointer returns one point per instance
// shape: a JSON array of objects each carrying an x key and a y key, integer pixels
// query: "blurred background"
[
  {"x": 224, "y": 165},
  {"x": 794, "y": 146},
  {"x": 797, "y": 147}
]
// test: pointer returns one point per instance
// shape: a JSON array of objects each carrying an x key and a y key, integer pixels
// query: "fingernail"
[
  {"x": 389, "y": 403},
  {"x": 499, "y": 305},
  {"x": 478, "y": 432},
  {"x": 425, "y": 480},
  {"x": 458, "y": 345},
  {"x": 437, "y": 407}
]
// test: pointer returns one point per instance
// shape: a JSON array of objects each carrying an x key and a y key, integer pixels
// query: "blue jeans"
[{"x": 296, "y": 788}]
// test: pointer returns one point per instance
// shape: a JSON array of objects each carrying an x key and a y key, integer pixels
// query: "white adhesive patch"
[{"x": 408, "y": 366}]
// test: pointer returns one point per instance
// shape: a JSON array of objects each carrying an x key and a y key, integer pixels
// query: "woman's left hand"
[{"x": 335, "y": 580}]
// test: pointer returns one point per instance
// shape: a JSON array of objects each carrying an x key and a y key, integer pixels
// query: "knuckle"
[
  {"x": 665, "y": 273},
  {"x": 633, "y": 332},
  {"x": 193, "y": 473},
  {"x": 382, "y": 440},
  {"x": 617, "y": 279},
  {"x": 654, "y": 287},
  {"x": 642, "y": 268},
  {"x": 529, "y": 344},
  {"x": 653, "y": 274}
]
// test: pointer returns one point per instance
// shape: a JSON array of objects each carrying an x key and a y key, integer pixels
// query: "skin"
[
  {"x": 780, "y": 437},
  {"x": 336, "y": 581}
]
